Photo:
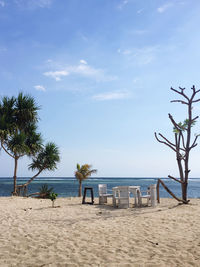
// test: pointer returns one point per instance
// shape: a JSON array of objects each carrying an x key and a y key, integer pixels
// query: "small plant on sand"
[
  {"x": 45, "y": 191},
  {"x": 53, "y": 197}
]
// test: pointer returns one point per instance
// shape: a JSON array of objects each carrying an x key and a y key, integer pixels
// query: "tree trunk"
[
  {"x": 24, "y": 186},
  {"x": 80, "y": 189},
  {"x": 14, "y": 193},
  {"x": 30, "y": 180},
  {"x": 184, "y": 191}
]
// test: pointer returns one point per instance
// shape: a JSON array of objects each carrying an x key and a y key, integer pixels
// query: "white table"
[{"x": 132, "y": 189}]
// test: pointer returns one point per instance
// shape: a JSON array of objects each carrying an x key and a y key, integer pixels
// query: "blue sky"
[{"x": 101, "y": 72}]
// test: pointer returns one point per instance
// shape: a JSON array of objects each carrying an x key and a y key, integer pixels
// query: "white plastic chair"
[
  {"x": 146, "y": 196},
  {"x": 103, "y": 195},
  {"x": 122, "y": 197},
  {"x": 150, "y": 195}
]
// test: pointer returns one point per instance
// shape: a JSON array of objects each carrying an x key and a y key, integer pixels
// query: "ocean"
[{"x": 68, "y": 186}]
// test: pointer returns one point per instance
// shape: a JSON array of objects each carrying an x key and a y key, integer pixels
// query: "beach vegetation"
[
  {"x": 45, "y": 191},
  {"x": 183, "y": 142},
  {"x": 46, "y": 159},
  {"x": 18, "y": 129},
  {"x": 53, "y": 197},
  {"x": 19, "y": 137},
  {"x": 82, "y": 173}
]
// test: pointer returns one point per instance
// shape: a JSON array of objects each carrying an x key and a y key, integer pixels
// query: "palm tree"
[
  {"x": 82, "y": 173},
  {"x": 18, "y": 131},
  {"x": 46, "y": 159}
]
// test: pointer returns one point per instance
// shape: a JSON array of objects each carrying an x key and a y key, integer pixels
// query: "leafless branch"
[
  {"x": 194, "y": 143},
  {"x": 195, "y": 118},
  {"x": 171, "y": 177},
  {"x": 193, "y": 94},
  {"x": 167, "y": 140},
  {"x": 180, "y": 92},
  {"x": 167, "y": 189},
  {"x": 181, "y": 101},
  {"x": 163, "y": 142},
  {"x": 194, "y": 101},
  {"x": 183, "y": 141}
]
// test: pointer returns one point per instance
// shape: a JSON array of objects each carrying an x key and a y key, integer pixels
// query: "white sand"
[{"x": 34, "y": 234}]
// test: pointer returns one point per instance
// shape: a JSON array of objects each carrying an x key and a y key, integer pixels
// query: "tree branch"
[
  {"x": 30, "y": 180},
  {"x": 183, "y": 141},
  {"x": 6, "y": 150},
  {"x": 194, "y": 101},
  {"x": 194, "y": 143},
  {"x": 180, "y": 93},
  {"x": 169, "y": 191},
  {"x": 181, "y": 101},
  {"x": 167, "y": 140},
  {"x": 171, "y": 177},
  {"x": 195, "y": 118},
  {"x": 178, "y": 127},
  {"x": 163, "y": 142},
  {"x": 193, "y": 94}
]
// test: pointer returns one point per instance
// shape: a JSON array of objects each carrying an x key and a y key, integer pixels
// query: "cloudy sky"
[{"x": 101, "y": 72}]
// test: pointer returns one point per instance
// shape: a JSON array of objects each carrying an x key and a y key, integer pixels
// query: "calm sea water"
[{"x": 66, "y": 187}]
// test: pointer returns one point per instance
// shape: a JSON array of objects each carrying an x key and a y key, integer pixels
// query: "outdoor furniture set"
[{"x": 121, "y": 195}]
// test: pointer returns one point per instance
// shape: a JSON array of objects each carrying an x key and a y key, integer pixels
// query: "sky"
[{"x": 101, "y": 71}]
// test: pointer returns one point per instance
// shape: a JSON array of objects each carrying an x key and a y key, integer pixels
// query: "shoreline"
[{"x": 35, "y": 234}]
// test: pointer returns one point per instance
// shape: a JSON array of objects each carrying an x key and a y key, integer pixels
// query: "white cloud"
[
  {"x": 127, "y": 52},
  {"x": 163, "y": 8},
  {"x": 32, "y": 4},
  {"x": 85, "y": 70},
  {"x": 111, "y": 96},
  {"x": 2, "y": 3},
  {"x": 136, "y": 80},
  {"x": 139, "y": 32},
  {"x": 40, "y": 88},
  {"x": 140, "y": 10},
  {"x": 82, "y": 61},
  {"x": 141, "y": 56},
  {"x": 82, "y": 69},
  {"x": 56, "y": 74},
  {"x": 122, "y": 4}
]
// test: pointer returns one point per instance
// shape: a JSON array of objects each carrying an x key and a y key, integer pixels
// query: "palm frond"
[{"x": 84, "y": 171}]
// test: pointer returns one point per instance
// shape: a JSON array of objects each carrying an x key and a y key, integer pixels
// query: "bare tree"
[{"x": 182, "y": 144}]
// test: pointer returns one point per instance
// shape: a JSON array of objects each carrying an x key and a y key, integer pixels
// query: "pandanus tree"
[
  {"x": 46, "y": 159},
  {"x": 19, "y": 136},
  {"x": 18, "y": 130},
  {"x": 82, "y": 173},
  {"x": 183, "y": 142}
]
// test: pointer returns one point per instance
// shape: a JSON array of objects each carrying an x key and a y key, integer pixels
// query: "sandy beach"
[{"x": 34, "y": 234}]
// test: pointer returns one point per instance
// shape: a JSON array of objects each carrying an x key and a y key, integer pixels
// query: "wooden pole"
[{"x": 158, "y": 193}]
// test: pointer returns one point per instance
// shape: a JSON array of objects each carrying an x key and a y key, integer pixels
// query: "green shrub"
[
  {"x": 53, "y": 197},
  {"x": 45, "y": 191}
]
